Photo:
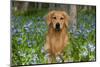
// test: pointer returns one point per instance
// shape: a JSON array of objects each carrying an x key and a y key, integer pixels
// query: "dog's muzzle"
[{"x": 57, "y": 27}]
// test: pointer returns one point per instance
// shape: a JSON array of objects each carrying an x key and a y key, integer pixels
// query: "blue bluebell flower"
[
  {"x": 81, "y": 28},
  {"x": 38, "y": 18},
  {"x": 88, "y": 30},
  {"x": 84, "y": 34},
  {"x": 70, "y": 30},
  {"x": 21, "y": 34},
  {"x": 43, "y": 18},
  {"x": 27, "y": 29},
  {"x": 19, "y": 19},
  {"x": 13, "y": 18},
  {"x": 14, "y": 31},
  {"x": 29, "y": 43},
  {"x": 19, "y": 40},
  {"x": 42, "y": 50},
  {"x": 28, "y": 24},
  {"x": 76, "y": 34},
  {"x": 93, "y": 26}
]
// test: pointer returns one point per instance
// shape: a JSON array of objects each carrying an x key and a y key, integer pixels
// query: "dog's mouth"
[{"x": 57, "y": 27}]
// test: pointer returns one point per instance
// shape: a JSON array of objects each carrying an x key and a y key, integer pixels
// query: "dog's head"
[{"x": 58, "y": 19}]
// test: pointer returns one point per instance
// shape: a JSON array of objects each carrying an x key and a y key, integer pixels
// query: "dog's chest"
[
  {"x": 57, "y": 43},
  {"x": 56, "y": 40}
]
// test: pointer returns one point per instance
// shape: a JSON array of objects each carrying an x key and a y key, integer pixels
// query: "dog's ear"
[
  {"x": 66, "y": 16},
  {"x": 49, "y": 17}
]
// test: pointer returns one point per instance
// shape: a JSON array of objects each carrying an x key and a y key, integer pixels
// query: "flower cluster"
[{"x": 28, "y": 38}]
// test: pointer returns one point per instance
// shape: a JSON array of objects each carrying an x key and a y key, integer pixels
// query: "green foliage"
[{"x": 28, "y": 37}]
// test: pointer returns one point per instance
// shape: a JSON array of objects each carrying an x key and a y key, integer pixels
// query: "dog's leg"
[
  {"x": 49, "y": 59},
  {"x": 61, "y": 56}
]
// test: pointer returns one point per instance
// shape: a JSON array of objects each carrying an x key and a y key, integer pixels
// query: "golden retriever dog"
[{"x": 57, "y": 38}]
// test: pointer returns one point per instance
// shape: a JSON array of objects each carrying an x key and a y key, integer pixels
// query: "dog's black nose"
[{"x": 57, "y": 27}]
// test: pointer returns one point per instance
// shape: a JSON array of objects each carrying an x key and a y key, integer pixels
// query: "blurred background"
[{"x": 28, "y": 31}]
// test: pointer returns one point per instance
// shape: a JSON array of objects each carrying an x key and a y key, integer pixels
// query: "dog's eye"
[
  {"x": 61, "y": 18},
  {"x": 54, "y": 17}
]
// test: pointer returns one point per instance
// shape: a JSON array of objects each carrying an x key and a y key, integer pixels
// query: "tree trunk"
[
  {"x": 25, "y": 6},
  {"x": 51, "y": 6},
  {"x": 39, "y": 5},
  {"x": 73, "y": 17},
  {"x": 85, "y": 8},
  {"x": 90, "y": 7},
  {"x": 35, "y": 5}
]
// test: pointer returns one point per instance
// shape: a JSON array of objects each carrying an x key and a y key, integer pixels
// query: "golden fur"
[{"x": 56, "y": 40}]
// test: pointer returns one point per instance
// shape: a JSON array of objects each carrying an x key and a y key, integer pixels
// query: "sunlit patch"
[
  {"x": 91, "y": 47},
  {"x": 84, "y": 53},
  {"x": 21, "y": 53}
]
